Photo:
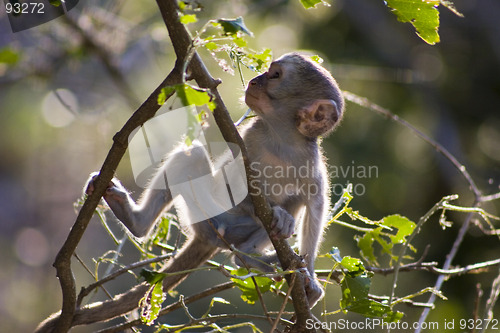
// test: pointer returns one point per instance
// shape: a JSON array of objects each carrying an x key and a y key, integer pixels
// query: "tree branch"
[{"x": 364, "y": 102}]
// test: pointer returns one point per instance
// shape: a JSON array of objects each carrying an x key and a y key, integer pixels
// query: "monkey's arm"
[
  {"x": 137, "y": 217},
  {"x": 182, "y": 165}
]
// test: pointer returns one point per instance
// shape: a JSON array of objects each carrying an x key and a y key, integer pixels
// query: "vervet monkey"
[{"x": 296, "y": 101}]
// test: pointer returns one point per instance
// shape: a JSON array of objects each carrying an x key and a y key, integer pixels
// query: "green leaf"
[
  {"x": 371, "y": 308},
  {"x": 211, "y": 46},
  {"x": 240, "y": 42},
  {"x": 404, "y": 225},
  {"x": 247, "y": 286},
  {"x": 335, "y": 254},
  {"x": 317, "y": 59},
  {"x": 151, "y": 277},
  {"x": 151, "y": 303},
  {"x": 188, "y": 18},
  {"x": 353, "y": 265},
  {"x": 164, "y": 93},
  {"x": 9, "y": 56},
  {"x": 310, "y": 3},
  {"x": 422, "y": 14},
  {"x": 365, "y": 245},
  {"x": 404, "y": 228},
  {"x": 152, "y": 300},
  {"x": 355, "y": 298},
  {"x": 354, "y": 288},
  {"x": 233, "y": 26},
  {"x": 161, "y": 231},
  {"x": 259, "y": 61},
  {"x": 190, "y": 95}
]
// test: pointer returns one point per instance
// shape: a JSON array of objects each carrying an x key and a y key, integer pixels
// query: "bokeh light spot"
[
  {"x": 58, "y": 107},
  {"x": 32, "y": 247}
]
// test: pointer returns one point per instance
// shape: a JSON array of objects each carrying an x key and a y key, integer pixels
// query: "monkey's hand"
[
  {"x": 114, "y": 191},
  {"x": 283, "y": 223},
  {"x": 116, "y": 196},
  {"x": 314, "y": 290}
]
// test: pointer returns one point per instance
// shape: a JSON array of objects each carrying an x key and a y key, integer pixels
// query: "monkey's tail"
[{"x": 194, "y": 253}]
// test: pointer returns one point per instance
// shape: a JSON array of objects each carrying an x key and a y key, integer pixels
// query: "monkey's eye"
[{"x": 274, "y": 74}]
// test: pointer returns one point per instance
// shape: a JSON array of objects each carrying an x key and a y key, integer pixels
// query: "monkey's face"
[
  {"x": 257, "y": 96},
  {"x": 298, "y": 91}
]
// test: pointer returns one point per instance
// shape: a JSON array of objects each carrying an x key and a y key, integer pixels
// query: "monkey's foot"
[{"x": 314, "y": 290}]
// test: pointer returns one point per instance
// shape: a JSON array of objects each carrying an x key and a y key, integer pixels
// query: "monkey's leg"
[
  {"x": 282, "y": 226},
  {"x": 251, "y": 252},
  {"x": 312, "y": 230}
]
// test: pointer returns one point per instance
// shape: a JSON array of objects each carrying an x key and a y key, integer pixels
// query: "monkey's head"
[{"x": 297, "y": 89}]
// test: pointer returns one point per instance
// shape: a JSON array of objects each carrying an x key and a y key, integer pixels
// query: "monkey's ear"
[{"x": 317, "y": 119}]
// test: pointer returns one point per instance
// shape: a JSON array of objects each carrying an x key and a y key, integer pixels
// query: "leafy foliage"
[
  {"x": 311, "y": 3},
  {"x": 189, "y": 95},
  {"x": 151, "y": 302},
  {"x": 231, "y": 27},
  {"x": 381, "y": 232},
  {"x": 355, "y": 293},
  {"x": 422, "y": 14},
  {"x": 248, "y": 284},
  {"x": 405, "y": 228}
]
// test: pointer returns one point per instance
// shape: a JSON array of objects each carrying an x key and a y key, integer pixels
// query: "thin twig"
[
  {"x": 447, "y": 264},
  {"x": 283, "y": 305},
  {"x": 477, "y": 302},
  {"x": 420, "y": 223},
  {"x": 91, "y": 274},
  {"x": 364, "y": 102},
  {"x": 172, "y": 307},
  {"x": 204, "y": 322},
  {"x": 85, "y": 291},
  {"x": 490, "y": 303},
  {"x": 491, "y": 197}
]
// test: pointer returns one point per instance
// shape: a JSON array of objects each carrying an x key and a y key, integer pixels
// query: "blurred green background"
[{"x": 60, "y": 107}]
